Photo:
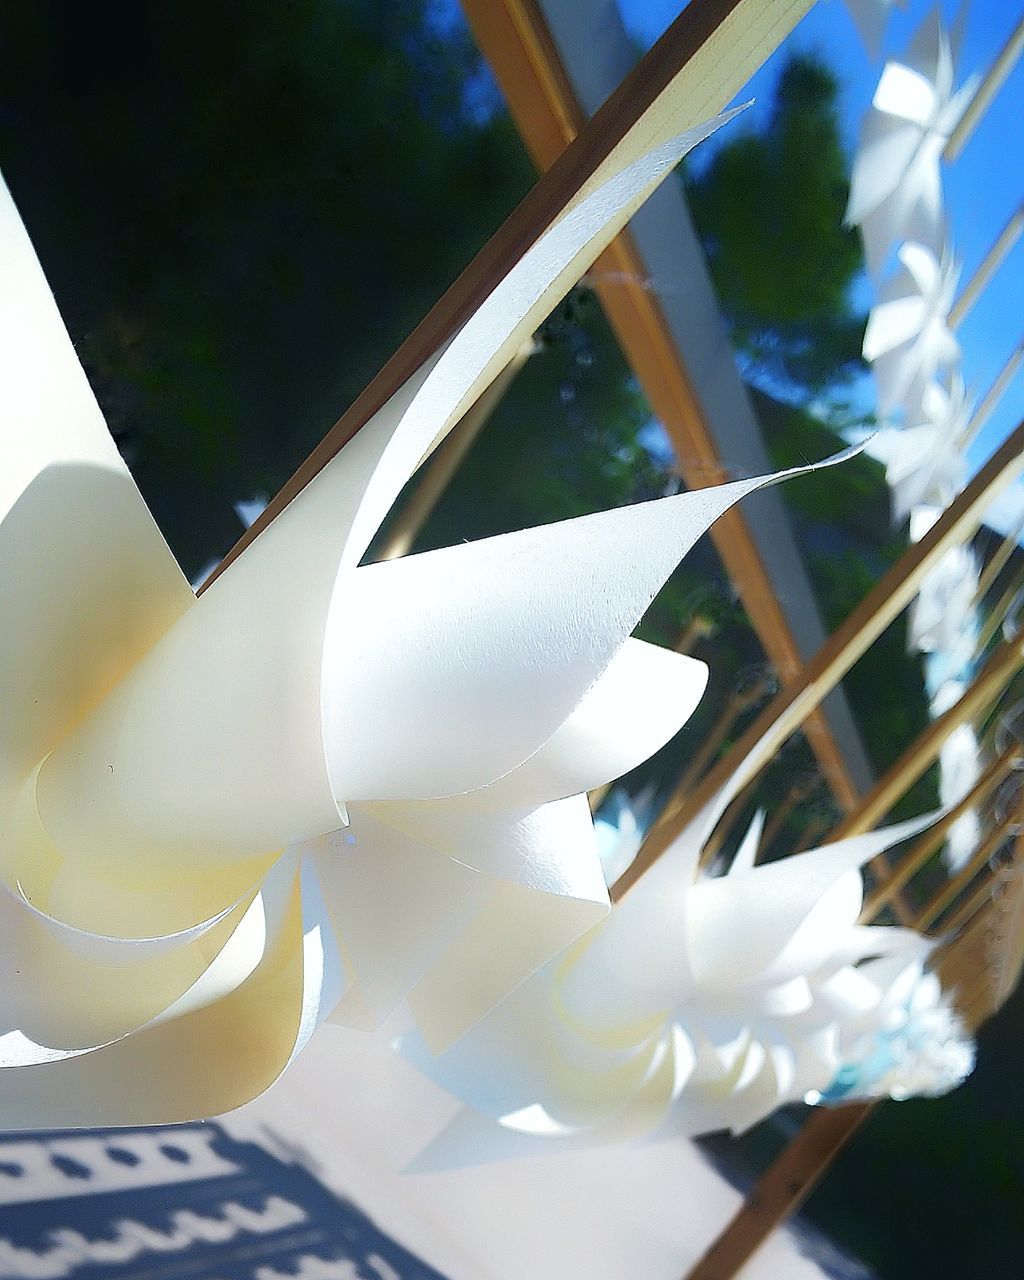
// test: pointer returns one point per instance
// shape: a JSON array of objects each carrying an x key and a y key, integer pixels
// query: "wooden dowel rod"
[
  {"x": 1000, "y": 611},
  {"x": 990, "y": 85},
  {"x": 797, "y": 793},
  {"x": 791, "y": 706},
  {"x": 948, "y": 893},
  {"x": 997, "y": 561},
  {"x": 970, "y": 907},
  {"x": 698, "y": 628},
  {"x": 1003, "y": 664},
  {"x": 921, "y": 852},
  {"x": 992, "y": 396},
  {"x": 987, "y": 268}
]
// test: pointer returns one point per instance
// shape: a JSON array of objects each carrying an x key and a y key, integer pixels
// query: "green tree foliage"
[
  {"x": 243, "y": 209},
  {"x": 770, "y": 207}
]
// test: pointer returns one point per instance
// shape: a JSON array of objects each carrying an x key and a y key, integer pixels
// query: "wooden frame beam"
[{"x": 514, "y": 37}]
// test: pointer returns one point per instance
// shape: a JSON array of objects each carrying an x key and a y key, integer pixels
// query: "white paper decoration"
[
  {"x": 895, "y": 186},
  {"x": 908, "y": 1042},
  {"x": 698, "y": 1004},
  {"x": 925, "y": 464},
  {"x": 908, "y": 341}
]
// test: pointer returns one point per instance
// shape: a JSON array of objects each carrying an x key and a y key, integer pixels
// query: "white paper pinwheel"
[
  {"x": 925, "y": 463},
  {"x": 908, "y": 341},
  {"x": 319, "y": 779},
  {"x": 698, "y": 1004},
  {"x": 904, "y": 1041},
  {"x": 896, "y": 184}
]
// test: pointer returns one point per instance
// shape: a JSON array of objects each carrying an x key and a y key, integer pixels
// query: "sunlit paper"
[
  {"x": 896, "y": 185},
  {"x": 925, "y": 462},
  {"x": 698, "y": 1004},
  {"x": 908, "y": 341}
]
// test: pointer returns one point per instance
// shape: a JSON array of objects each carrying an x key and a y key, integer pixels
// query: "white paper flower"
[
  {"x": 908, "y": 341},
  {"x": 925, "y": 464},
  {"x": 895, "y": 185},
  {"x": 319, "y": 779},
  {"x": 908, "y": 1042},
  {"x": 698, "y": 1004}
]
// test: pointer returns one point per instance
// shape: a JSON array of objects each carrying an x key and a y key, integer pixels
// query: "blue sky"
[{"x": 983, "y": 187}]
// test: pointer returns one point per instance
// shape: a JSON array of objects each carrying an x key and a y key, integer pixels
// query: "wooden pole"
[
  {"x": 993, "y": 81},
  {"x": 993, "y": 395},
  {"x": 987, "y": 268},
  {"x": 787, "y": 711},
  {"x": 797, "y": 793},
  {"x": 920, "y": 853},
  {"x": 995, "y": 675},
  {"x": 702, "y": 60},
  {"x": 1000, "y": 611},
  {"x": 948, "y": 893},
  {"x": 998, "y": 561}
]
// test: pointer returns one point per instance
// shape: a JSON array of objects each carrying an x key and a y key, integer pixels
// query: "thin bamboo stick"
[
  {"x": 698, "y": 628},
  {"x": 995, "y": 619},
  {"x": 948, "y": 893},
  {"x": 992, "y": 396},
  {"x": 797, "y": 793},
  {"x": 787, "y": 711},
  {"x": 987, "y": 268},
  {"x": 997, "y": 562},
  {"x": 738, "y": 701},
  {"x": 1001, "y": 667},
  {"x": 970, "y": 906},
  {"x": 992, "y": 82},
  {"x": 921, "y": 852},
  {"x": 437, "y": 473}
]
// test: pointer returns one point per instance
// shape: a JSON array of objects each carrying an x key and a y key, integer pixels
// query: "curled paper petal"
[{"x": 237, "y": 1028}]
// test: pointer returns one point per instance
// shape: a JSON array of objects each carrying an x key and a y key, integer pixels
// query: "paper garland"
[{"x": 896, "y": 198}]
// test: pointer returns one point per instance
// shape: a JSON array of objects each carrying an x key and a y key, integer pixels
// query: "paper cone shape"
[{"x": 698, "y": 1004}]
